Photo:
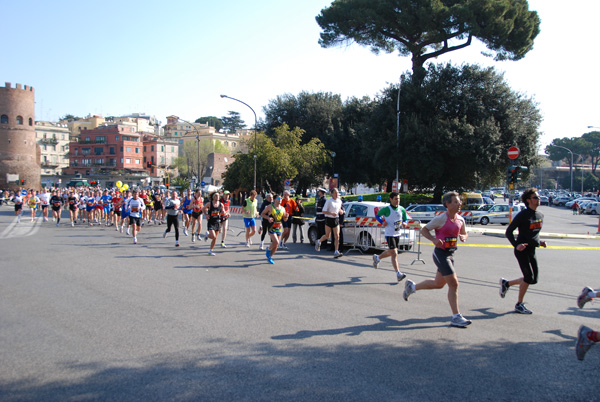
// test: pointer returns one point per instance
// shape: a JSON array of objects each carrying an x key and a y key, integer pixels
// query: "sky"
[{"x": 175, "y": 58}]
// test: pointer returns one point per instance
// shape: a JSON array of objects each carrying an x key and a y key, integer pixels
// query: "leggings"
[
  {"x": 528, "y": 264},
  {"x": 173, "y": 220},
  {"x": 265, "y": 228}
]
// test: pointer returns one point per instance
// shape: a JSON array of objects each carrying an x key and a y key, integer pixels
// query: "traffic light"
[
  {"x": 23, "y": 182},
  {"x": 148, "y": 165},
  {"x": 520, "y": 170},
  {"x": 94, "y": 183},
  {"x": 511, "y": 174}
]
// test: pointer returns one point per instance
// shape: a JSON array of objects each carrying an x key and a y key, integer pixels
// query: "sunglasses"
[{"x": 535, "y": 198}]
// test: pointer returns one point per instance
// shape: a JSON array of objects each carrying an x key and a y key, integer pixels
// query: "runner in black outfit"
[
  {"x": 56, "y": 202},
  {"x": 265, "y": 222},
  {"x": 320, "y": 216},
  {"x": 529, "y": 222}
]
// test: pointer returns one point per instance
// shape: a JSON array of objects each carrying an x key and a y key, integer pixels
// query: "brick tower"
[{"x": 19, "y": 152}]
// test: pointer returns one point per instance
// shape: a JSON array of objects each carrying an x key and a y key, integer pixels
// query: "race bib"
[
  {"x": 450, "y": 243},
  {"x": 276, "y": 225},
  {"x": 398, "y": 225},
  {"x": 134, "y": 209}
]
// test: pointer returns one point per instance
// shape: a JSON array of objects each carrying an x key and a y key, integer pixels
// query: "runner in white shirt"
[
  {"x": 16, "y": 198},
  {"x": 135, "y": 206},
  {"x": 45, "y": 202}
]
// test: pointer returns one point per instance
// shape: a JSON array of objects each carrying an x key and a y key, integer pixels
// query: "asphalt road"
[{"x": 87, "y": 315}]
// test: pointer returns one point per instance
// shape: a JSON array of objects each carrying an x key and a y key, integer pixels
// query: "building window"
[
  {"x": 152, "y": 148},
  {"x": 30, "y": 121},
  {"x": 85, "y": 151},
  {"x": 144, "y": 148},
  {"x": 128, "y": 149},
  {"x": 111, "y": 150},
  {"x": 20, "y": 120},
  {"x": 137, "y": 150},
  {"x": 4, "y": 119},
  {"x": 117, "y": 138},
  {"x": 127, "y": 160},
  {"x": 137, "y": 161},
  {"x": 98, "y": 150}
]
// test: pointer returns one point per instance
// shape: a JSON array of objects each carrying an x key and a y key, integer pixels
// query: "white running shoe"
[
  {"x": 185, "y": 231},
  {"x": 164, "y": 234},
  {"x": 127, "y": 232},
  {"x": 210, "y": 252},
  {"x": 585, "y": 297},
  {"x": 135, "y": 240},
  {"x": 248, "y": 244},
  {"x": 459, "y": 321},
  {"x": 583, "y": 342},
  {"x": 376, "y": 261},
  {"x": 409, "y": 289},
  {"x": 318, "y": 245},
  {"x": 262, "y": 245}
]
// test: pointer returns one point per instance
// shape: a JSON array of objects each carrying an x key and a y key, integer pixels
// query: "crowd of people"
[{"x": 131, "y": 209}]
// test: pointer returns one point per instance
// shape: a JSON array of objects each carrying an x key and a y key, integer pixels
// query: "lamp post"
[
  {"x": 398, "y": 134},
  {"x": 571, "y": 169},
  {"x": 255, "y": 129},
  {"x": 198, "y": 142},
  {"x": 333, "y": 154}
]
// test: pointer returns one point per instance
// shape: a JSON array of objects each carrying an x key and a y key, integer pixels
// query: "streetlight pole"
[
  {"x": 398, "y": 134},
  {"x": 255, "y": 129},
  {"x": 333, "y": 155},
  {"x": 198, "y": 141},
  {"x": 571, "y": 169}
]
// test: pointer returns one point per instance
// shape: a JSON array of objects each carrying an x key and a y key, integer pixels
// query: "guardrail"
[{"x": 368, "y": 233}]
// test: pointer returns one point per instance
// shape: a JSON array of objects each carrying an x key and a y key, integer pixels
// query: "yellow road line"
[{"x": 509, "y": 246}]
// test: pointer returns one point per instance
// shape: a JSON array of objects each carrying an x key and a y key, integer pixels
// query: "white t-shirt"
[
  {"x": 332, "y": 206},
  {"x": 45, "y": 198}
]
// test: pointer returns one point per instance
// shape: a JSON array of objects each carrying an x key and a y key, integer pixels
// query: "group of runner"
[{"x": 113, "y": 208}]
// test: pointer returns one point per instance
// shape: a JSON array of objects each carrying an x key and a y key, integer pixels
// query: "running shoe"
[
  {"x": 376, "y": 261},
  {"x": 206, "y": 237},
  {"x": 72, "y": 225},
  {"x": 283, "y": 247},
  {"x": 318, "y": 245},
  {"x": 176, "y": 244},
  {"x": 121, "y": 229},
  {"x": 459, "y": 321},
  {"x": 185, "y": 231},
  {"x": 223, "y": 245},
  {"x": 262, "y": 245},
  {"x": 503, "y": 287},
  {"x": 585, "y": 297},
  {"x": 409, "y": 289},
  {"x": 337, "y": 254},
  {"x": 268, "y": 254},
  {"x": 210, "y": 252},
  {"x": 135, "y": 240},
  {"x": 116, "y": 228},
  {"x": 193, "y": 238},
  {"x": 248, "y": 244},
  {"x": 164, "y": 234},
  {"x": 521, "y": 309},
  {"x": 400, "y": 276},
  {"x": 270, "y": 260},
  {"x": 127, "y": 232},
  {"x": 583, "y": 342}
]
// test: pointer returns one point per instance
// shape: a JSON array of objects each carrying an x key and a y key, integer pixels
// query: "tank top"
[
  {"x": 277, "y": 214},
  {"x": 449, "y": 232}
]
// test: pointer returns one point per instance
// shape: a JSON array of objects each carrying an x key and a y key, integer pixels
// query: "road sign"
[
  {"x": 287, "y": 182},
  {"x": 513, "y": 152},
  {"x": 202, "y": 183}
]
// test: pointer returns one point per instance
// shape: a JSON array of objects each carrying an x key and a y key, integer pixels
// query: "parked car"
[
  {"x": 365, "y": 237},
  {"x": 561, "y": 200},
  {"x": 579, "y": 201},
  {"x": 591, "y": 208},
  {"x": 496, "y": 214},
  {"x": 424, "y": 212},
  {"x": 544, "y": 200},
  {"x": 488, "y": 201}
]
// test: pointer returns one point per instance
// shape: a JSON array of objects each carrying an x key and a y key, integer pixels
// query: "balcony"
[
  {"x": 49, "y": 165},
  {"x": 49, "y": 141}
]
